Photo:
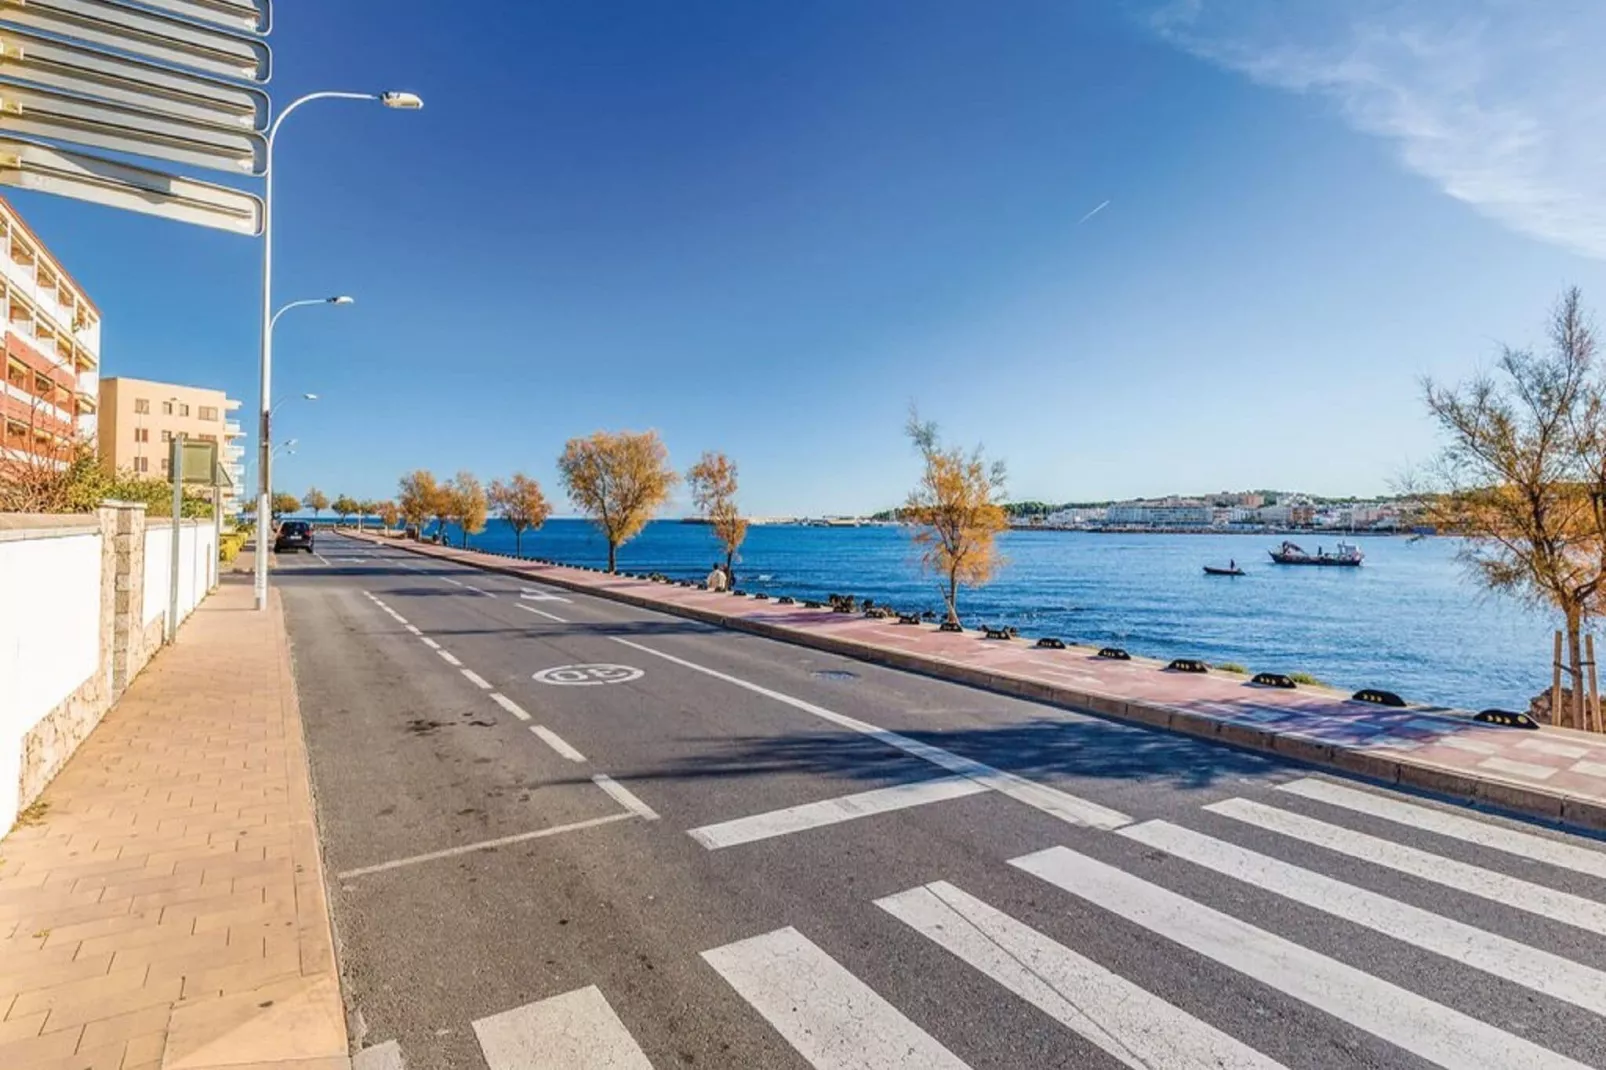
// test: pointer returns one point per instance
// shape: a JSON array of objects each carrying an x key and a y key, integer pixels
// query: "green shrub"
[
  {"x": 1306, "y": 678},
  {"x": 1232, "y": 666}
]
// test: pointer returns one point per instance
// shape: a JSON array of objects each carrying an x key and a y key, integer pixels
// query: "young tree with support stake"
[
  {"x": 285, "y": 502},
  {"x": 316, "y": 500},
  {"x": 712, "y": 481},
  {"x": 1522, "y": 477},
  {"x": 388, "y": 514},
  {"x": 520, "y": 502},
  {"x": 418, "y": 496},
  {"x": 345, "y": 506},
  {"x": 466, "y": 502},
  {"x": 955, "y": 512},
  {"x": 619, "y": 480}
]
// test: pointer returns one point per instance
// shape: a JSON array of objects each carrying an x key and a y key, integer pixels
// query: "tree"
[
  {"x": 418, "y": 496},
  {"x": 955, "y": 512},
  {"x": 284, "y": 502},
  {"x": 712, "y": 481},
  {"x": 465, "y": 500},
  {"x": 316, "y": 500},
  {"x": 345, "y": 506},
  {"x": 521, "y": 503},
  {"x": 619, "y": 480},
  {"x": 1522, "y": 476},
  {"x": 388, "y": 513}
]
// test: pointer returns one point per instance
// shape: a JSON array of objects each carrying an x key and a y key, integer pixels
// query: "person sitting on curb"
[{"x": 716, "y": 579}]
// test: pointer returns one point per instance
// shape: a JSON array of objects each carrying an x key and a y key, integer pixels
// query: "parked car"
[{"x": 293, "y": 535}]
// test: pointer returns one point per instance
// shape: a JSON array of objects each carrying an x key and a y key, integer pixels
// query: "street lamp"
[{"x": 401, "y": 101}]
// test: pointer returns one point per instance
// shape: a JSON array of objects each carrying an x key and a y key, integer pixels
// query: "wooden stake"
[
  {"x": 1594, "y": 720},
  {"x": 1555, "y": 683}
]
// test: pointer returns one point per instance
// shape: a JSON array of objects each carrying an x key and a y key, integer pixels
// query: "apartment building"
[
  {"x": 139, "y": 418},
  {"x": 48, "y": 397}
]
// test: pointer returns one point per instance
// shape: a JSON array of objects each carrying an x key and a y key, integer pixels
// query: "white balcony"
[{"x": 231, "y": 428}]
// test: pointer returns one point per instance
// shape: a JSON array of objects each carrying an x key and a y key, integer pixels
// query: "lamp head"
[
  {"x": 402, "y": 101},
  {"x": 341, "y": 300},
  {"x": 310, "y": 397}
]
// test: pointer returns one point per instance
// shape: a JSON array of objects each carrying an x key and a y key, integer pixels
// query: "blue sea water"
[{"x": 1409, "y": 620}]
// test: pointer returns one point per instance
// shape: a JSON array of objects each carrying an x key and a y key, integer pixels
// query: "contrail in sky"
[{"x": 1093, "y": 213}]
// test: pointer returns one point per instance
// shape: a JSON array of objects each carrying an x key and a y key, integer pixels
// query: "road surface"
[{"x": 561, "y": 832}]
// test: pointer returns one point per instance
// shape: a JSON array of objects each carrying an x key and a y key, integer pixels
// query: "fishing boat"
[
  {"x": 1346, "y": 556},
  {"x": 1214, "y": 570}
]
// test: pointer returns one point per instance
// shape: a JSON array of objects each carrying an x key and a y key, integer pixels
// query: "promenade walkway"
[
  {"x": 163, "y": 904},
  {"x": 1553, "y": 774}
]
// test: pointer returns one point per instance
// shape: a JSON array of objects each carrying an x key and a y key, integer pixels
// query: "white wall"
[
  {"x": 49, "y": 635},
  {"x": 197, "y": 566}
]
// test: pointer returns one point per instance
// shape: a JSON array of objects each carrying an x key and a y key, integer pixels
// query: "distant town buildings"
[
  {"x": 52, "y": 350},
  {"x": 138, "y": 419},
  {"x": 1228, "y": 512}
]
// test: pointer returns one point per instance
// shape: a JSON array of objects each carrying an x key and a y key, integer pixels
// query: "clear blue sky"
[{"x": 767, "y": 227}]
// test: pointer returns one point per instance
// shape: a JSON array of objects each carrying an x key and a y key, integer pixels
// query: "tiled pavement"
[
  {"x": 1556, "y": 774},
  {"x": 163, "y": 905}
]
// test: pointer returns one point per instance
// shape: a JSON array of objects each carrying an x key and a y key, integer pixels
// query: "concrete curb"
[{"x": 1527, "y": 800}]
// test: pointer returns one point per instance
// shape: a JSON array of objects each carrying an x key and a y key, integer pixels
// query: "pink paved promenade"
[{"x": 1552, "y": 773}]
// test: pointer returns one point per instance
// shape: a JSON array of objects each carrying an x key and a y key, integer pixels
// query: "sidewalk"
[
  {"x": 1554, "y": 774},
  {"x": 163, "y": 904}
]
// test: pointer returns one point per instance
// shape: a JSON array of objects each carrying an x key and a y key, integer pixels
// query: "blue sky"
[{"x": 767, "y": 228}]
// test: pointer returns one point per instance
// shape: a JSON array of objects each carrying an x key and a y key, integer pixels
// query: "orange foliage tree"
[
  {"x": 955, "y": 512},
  {"x": 420, "y": 498},
  {"x": 521, "y": 503},
  {"x": 619, "y": 480},
  {"x": 712, "y": 481}
]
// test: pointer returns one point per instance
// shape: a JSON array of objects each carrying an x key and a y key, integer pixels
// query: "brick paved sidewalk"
[
  {"x": 163, "y": 904},
  {"x": 1555, "y": 774}
]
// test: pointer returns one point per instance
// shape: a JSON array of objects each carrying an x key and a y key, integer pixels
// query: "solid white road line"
[
  {"x": 483, "y": 845},
  {"x": 624, "y": 796},
  {"x": 476, "y": 679},
  {"x": 427, "y": 641},
  {"x": 541, "y": 613},
  {"x": 833, "y": 811},
  {"x": 1136, "y": 1027},
  {"x": 556, "y": 742},
  {"x": 476, "y": 590},
  {"x": 1066, "y": 807},
  {"x": 1513, "y": 892},
  {"x": 509, "y": 705},
  {"x": 540, "y": 596},
  {"x": 833, "y": 1020},
  {"x": 386, "y": 1056},
  {"x": 1483, "y": 833},
  {"x": 448, "y": 657},
  {"x": 1434, "y": 1032},
  {"x": 414, "y": 629},
  {"x": 322, "y": 558},
  {"x": 451, "y": 581},
  {"x": 575, "y": 1031},
  {"x": 1530, "y": 967}
]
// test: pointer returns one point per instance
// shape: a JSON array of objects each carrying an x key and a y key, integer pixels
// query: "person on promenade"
[{"x": 716, "y": 579}]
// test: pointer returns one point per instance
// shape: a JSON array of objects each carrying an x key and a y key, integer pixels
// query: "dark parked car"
[{"x": 293, "y": 535}]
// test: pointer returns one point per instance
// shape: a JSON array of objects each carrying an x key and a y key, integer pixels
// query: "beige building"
[{"x": 138, "y": 419}]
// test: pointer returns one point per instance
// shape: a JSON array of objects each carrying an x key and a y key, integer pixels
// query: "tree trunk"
[
  {"x": 953, "y": 597},
  {"x": 730, "y": 556},
  {"x": 1575, "y": 669},
  {"x": 613, "y": 557},
  {"x": 518, "y": 542}
]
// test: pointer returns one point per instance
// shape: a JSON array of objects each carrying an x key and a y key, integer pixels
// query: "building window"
[
  {"x": 142, "y": 405},
  {"x": 142, "y": 434},
  {"x": 167, "y": 408},
  {"x": 142, "y": 464},
  {"x": 183, "y": 409},
  {"x": 165, "y": 462},
  {"x": 207, "y": 438},
  {"x": 167, "y": 436},
  {"x": 208, "y": 412}
]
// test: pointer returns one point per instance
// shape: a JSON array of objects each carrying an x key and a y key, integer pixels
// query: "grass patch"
[
  {"x": 1232, "y": 666},
  {"x": 1306, "y": 678}
]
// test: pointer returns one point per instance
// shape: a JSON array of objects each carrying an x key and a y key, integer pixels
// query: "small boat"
[
  {"x": 1346, "y": 556},
  {"x": 1212, "y": 570}
]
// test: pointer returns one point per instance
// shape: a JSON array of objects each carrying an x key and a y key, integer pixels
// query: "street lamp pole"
[{"x": 403, "y": 101}]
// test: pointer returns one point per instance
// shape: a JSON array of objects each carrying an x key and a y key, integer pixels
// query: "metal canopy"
[
  {"x": 134, "y": 83},
  {"x": 146, "y": 33},
  {"x": 31, "y": 165}
]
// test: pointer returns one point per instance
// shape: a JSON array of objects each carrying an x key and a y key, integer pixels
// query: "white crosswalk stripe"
[
  {"x": 575, "y": 1031},
  {"x": 1534, "y": 898},
  {"x": 1530, "y": 967},
  {"x": 1439, "y": 1034},
  {"x": 834, "y": 811},
  {"x": 1139, "y": 1029},
  {"x": 830, "y": 1017},
  {"x": 1455, "y": 826}
]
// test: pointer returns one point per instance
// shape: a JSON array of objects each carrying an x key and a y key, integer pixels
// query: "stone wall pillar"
[{"x": 127, "y": 625}]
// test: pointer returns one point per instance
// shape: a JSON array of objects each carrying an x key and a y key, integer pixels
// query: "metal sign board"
[
  {"x": 35, "y": 112},
  {"x": 244, "y": 16},
  {"x": 145, "y": 33},
  {"x": 199, "y": 462},
  {"x": 133, "y": 83},
  {"x": 31, "y": 165}
]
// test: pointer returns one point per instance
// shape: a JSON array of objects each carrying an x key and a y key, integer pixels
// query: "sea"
[{"x": 1410, "y": 620}]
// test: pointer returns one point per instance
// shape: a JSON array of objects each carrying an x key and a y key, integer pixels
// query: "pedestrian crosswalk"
[{"x": 1069, "y": 938}]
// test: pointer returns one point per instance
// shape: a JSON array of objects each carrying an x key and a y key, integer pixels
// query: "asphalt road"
[{"x": 792, "y": 859}]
